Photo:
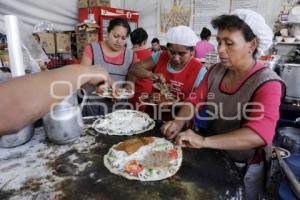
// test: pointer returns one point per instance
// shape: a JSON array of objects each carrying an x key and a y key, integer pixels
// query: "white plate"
[
  {"x": 296, "y": 10},
  {"x": 124, "y": 122},
  {"x": 124, "y": 95},
  {"x": 116, "y": 161}
]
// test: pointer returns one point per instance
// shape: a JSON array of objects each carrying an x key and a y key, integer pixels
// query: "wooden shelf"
[
  {"x": 288, "y": 43},
  {"x": 290, "y": 22}
]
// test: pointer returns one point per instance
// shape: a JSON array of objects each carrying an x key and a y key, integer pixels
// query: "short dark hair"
[
  {"x": 231, "y": 23},
  {"x": 119, "y": 22},
  {"x": 205, "y": 33},
  {"x": 190, "y": 48},
  {"x": 155, "y": 40},
  {"x": 37, "y": 37},
  {"x": 138, "y": 36}
]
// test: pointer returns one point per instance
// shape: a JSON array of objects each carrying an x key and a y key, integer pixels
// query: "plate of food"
[
  {"x": 164, "y": 88},
  {"x": 124, "y": 122},
  {"x": 156, "y": 98},
  {"x": 121, "y": 93},
  {"x": 144, "y": 159}
]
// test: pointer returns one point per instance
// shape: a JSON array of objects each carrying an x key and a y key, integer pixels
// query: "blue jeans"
[{"x": 254, "y": 180}]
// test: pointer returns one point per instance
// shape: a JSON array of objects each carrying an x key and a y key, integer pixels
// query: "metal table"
[{"x": 42, "y": 170}]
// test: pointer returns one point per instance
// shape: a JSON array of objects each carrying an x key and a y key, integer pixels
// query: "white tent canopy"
[{"x": 63, "y": 14}]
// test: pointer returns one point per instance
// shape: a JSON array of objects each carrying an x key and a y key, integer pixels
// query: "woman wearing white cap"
[
  {"x": 244, "y": 100},
  {"x": 177, "y": 65}
]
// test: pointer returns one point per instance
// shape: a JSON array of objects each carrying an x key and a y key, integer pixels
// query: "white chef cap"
[
  {"x": 259, "y": 27},
  {"x": 182, "y": 35}
]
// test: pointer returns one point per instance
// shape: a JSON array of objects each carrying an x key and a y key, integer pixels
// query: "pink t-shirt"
[
  {"x": 115, "y": 60},
  {"x": 202, "y": 48},
  {"x": 269, "y": 95}
]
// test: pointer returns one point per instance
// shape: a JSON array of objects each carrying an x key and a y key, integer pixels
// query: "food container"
[
  {"x": 18, "y": 138},
  {"x": 297, "y": 37},
  {"x": 63, "y": 124},
  {"x": 278, "y": 38},
  {"x": 289, "y": 39},
  {"x": 284, "y": 32}
]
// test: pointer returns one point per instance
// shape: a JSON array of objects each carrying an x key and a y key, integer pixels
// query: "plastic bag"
[
  {"x": 33, "y": 54},
  {"x": 43, "y": 26}
]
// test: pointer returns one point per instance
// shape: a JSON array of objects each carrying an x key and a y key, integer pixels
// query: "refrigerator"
[{"x": 103, "y": 15}]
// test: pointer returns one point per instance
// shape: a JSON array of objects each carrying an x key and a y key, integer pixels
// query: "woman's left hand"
[
  {"x": 156, "y": 77},
  {"x": 190, "y": 139}
]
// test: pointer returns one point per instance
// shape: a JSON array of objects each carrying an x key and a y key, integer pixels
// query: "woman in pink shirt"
[
  {"x": 204, "y": 46},
  {"x": 112, "y": 55},
  {"x": 241, "y": 97}
]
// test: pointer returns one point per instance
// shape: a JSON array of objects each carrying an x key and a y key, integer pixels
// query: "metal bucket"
[
  {"x": 15, "y": 139},
  {"x": 63, "y": 124},
  {"x": 290, "y": 73}
]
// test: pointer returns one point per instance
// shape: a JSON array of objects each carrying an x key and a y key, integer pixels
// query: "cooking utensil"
[
  {"x": 63, "y": 124},
  {"x": 20, "y": 137}
]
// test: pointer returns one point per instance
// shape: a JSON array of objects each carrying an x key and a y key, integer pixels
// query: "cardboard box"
[
  {"x": 63, "y": 42},
  {"x": 83, "y": 39},
  {"x": 4, "y": 58},
  {"x": 87, "y": 28},
  {"x": 86, "y": 34},
  {"x": 47, "y": 42},
  {"x": 83, "y": 3},
  {"x": 95, "y": 3}
]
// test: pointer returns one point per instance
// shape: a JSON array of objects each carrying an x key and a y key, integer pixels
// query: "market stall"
[{"x": 40, "y": 169}]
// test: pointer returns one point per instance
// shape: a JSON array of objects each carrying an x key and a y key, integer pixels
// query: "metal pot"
[
  {"x": 290, "y": 74},
  {"x": 15, "y": 139},
  {"x": 289, "y": 138},
  {"x": 63, "y": 124}
]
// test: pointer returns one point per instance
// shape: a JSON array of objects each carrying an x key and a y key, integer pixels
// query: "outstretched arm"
[
  {"x": 240, "y": 139},
  {"x": 143, "y": 69},
  {"x": 28, "y": 98}
]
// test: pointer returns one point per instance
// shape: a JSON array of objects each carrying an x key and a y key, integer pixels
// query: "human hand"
[
  {"x": 99, "y": 76},
  {"x": 189, "y": 139},
  {"x": 43, "y": 66},
  {"x": 156, "y": 77},
  {"x": 171, "y": 129}
]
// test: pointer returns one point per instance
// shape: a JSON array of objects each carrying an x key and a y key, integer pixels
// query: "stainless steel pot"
[
  {"x": 63, "y": 124},
  {"x": 289, "y": 138},
  {"x": 20, "y": 137},
  {"x": 290, "y": 74}
]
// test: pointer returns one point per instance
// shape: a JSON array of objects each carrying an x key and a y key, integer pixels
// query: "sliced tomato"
[
  {"x": 173, "y": 155},
  {"x": 133, "y": 167}
]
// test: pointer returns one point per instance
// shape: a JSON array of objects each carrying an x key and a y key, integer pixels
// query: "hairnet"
[
  {"x": 182, "y": 35},
  {"x": 259, "y": 27}
]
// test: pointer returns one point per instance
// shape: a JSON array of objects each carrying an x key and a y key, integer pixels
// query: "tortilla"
[
  {"x": 124, "y": 122},
  {"x": 156, "y": 160}
]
